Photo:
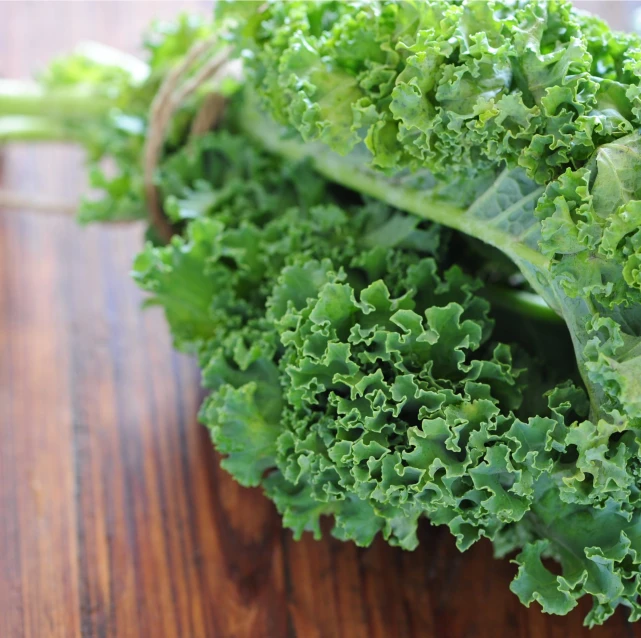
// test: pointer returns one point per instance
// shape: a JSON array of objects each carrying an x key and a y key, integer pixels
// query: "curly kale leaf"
[
  {"x": 455, "y": 87},
  {"x": 375, "y": 377},
  {"x": 250, "y": 215}
]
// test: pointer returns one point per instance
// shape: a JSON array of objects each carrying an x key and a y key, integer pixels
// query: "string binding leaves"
[{"x": 178, "y": 86}]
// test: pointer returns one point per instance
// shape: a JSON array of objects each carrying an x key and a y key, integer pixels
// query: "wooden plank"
[
  {"x": 115, "y": 519},
  {"x": 36, "y": 435},
  {"x": 35, "y": 439}
]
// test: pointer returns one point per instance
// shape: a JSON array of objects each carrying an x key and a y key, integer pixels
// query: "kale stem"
[
  {"x": 68, "y": 103},
  {"x": 358, "y": 177},
  {"x": 18, "y": 97},
  {"x": 31, "y": 113},
  {"x": 521, "y": 302},
  {"x": 18, "y": 128}
]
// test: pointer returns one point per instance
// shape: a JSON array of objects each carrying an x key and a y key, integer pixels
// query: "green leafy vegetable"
[{"x": 409, "y": 264}]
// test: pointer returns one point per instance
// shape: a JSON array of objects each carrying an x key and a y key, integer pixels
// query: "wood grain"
[{"x": 115, "y": 519}]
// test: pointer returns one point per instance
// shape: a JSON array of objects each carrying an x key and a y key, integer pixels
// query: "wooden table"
[{"x": 115, "y": 519}]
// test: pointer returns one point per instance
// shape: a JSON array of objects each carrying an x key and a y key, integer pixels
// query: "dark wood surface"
[{"x": 115, "y": 519}]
